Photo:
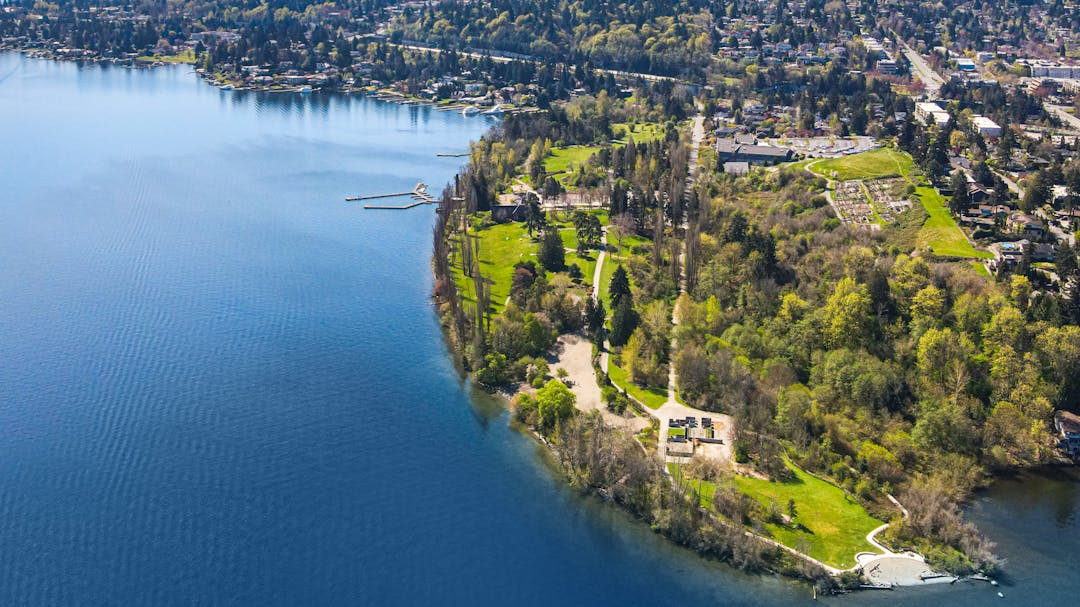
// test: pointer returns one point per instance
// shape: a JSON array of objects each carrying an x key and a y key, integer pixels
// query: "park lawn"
[
  {"x": 832, "y": 527},
  {"x": 185, "y": 56},
  {"x": 615, "y": 256},
  {"x": 501, "y": 246},
  {"x": 650, "y": 397},
  {"x": 940, "y": 232},
  {"x": 570, "y": 243},
  {"x": 642, "y": 133},
  {"x": 881, "y": 162},
  {"x": 587, "y": 265},
  {"x": 560, "y": 159}
]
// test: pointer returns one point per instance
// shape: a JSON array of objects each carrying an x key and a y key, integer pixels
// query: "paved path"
[
  {"x": 829, "y": 186},
  {"x": 597, "y": 274},
  {"x": 723, "y": 425}
]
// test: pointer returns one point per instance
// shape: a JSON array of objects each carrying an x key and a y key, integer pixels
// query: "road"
[
  {"x": 1064, "y": 115},
  {"x": 922, "y": 69}
]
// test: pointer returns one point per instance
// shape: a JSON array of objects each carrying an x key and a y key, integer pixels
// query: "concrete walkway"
[{"x": 597, "y": 274}]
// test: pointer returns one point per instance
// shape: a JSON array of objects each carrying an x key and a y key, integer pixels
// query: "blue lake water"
[{"x": 221, "y": 384}]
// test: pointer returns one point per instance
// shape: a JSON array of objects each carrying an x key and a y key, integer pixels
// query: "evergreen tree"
[
  {"x": 552, "y": 253},
  {"x": 535, "y": 218},
  {"x": 961, "y": 200},
  {"x": 623, "y": 322},
  {"x": 619, "y": 287},
  {"x": 595, "y": 314}
]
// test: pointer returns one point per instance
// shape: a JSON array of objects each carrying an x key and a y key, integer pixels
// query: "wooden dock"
[
  {"x": 372, "y": 196},
  {"x": 418, "y": 193}
]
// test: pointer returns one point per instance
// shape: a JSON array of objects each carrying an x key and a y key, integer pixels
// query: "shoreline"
[{"x": 385, "y": 93}]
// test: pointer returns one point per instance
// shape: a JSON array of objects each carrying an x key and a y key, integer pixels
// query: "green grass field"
[
  {"x": 642, "y": 133},
  {"x": 881, "y": 162},
  {"x": 561, "y": 159},
  {"x": 501, "y": 246},
  {"x": 940, "y": 232},
  {"x": 615, "y": 256},
  {"x": 828, "y": 526},
  {"x": 185, "y": 56},
  {"x": 650, "y": 397}
]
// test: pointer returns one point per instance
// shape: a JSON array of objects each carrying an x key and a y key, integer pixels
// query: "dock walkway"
[{"x": 418, "y": 193}]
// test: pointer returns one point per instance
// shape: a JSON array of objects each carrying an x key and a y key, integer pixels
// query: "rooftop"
[{"x": 1067, "y": 421}]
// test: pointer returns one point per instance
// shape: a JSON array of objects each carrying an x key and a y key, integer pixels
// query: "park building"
[{"x": 732, "y": 150}]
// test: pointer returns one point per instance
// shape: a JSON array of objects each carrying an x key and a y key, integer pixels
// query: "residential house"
[
  {"x": 1068, "y": 424},
  {"x": 1026, "y": 226}
]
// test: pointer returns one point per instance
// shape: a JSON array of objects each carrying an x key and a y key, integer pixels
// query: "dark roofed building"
[{"x": 731, "y": 150}]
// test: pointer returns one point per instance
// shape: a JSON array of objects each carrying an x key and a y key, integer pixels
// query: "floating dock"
[{"x": 418, "y": 193}]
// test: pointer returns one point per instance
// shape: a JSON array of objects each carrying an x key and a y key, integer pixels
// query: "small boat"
[
  {"x": 469, "y": 110},
  {"x": 305, "y": 89},
  {"x": 226, "y": 87}
]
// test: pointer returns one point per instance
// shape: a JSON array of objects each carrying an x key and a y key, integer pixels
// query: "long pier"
[{"x": 418, "y": 193}]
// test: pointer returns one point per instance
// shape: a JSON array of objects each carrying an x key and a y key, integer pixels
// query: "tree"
[
  {"x": 1072, "y": 178},
  {"x": 552, "y": 253},
  {"x": 623, "y": 322},
  {"x": 619, "y": 287},
  {"x": 960, "y": 200},
  {"x": 1038, "y": 192},
  {"x": 943, "y": 362},
  {"x": 1065, "y": 260},
  {"x": 1005, "y": 146},
  {"x": 595, "y": 314},
  {"x": 535, "y": 217},
  {"x": 846, "y": 315},
  {"x": 554, "y": 403},
  {"x": 588, "y": 230},
  {"x": 537, "y": 337}
]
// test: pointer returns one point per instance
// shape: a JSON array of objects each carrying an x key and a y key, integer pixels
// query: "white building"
[
  {"x": 986, "y": 127},
  {"x": 886, "y": 66},
  {"x": 1050, "y": 70},
  {"x": 931, "y": 113}
]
